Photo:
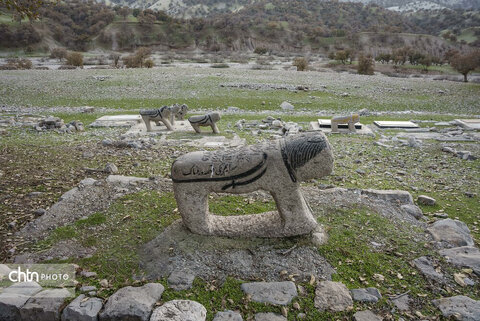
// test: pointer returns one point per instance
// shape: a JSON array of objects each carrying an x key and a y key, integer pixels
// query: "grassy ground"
[{"x": 53, "y": 163}]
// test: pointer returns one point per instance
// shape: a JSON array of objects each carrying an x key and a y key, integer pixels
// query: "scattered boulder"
[
  {"x": 280, "y": 293},
  {"x": 426, "y": 200},
  {"x": 402, "y": 302},
  {"x": 232, "y": 109},
  {"x": 332, "y": 296},
  {"x": 461, "y": 307},
  {"x": 13, "y": 298},
  {"x": 366, "y": 295},
  {"x": 132, "y": 303},
  {"x": 228, "y": 316},
  {"x": 180, "y": 310},
  {"x": 287, "y": 106},
  {"x": 179, "y": 280},
  {"x": 270, "y": 316},
  {"x": 402, "y": 197},
  {"x": 366, "y": 316},
  {"x": 39, "y": 212},
  {"x": 82, "y": 309},
  {"x": 465, "y": 256},
  {"x": 452, "y": 232},
  {"x": 412, "y": 210},
  {"x": 45, "y": 305},
  {"x": 88, "y": 288},
  {"x": 427, "y": 269},
  {"x": 111, "y": 168}
]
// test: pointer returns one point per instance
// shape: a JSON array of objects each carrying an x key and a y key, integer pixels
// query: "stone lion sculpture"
[
  {"x": 205, "y": 121},
  {"x": 163, "y": 115},
  {"x": 349, "y": 119},
  {"x": 178, "y": 112},
  {"x": 277, "y": 167}
]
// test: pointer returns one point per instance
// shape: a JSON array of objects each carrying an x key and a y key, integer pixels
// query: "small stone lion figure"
[
  {"x": 350, "y": 120},
  {"x": 178, "y": 112},
  {"x": 163, "y": 115},
  {"x": 276, "y": 167},
  {"x": 205, "y": 120}
]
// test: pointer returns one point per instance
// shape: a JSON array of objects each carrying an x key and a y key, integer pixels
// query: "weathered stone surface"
[
  {"x": 271, "y": 292},
  {"x": 88, "y": 288},
  {"x": 461, "y": 307},
  {"x": 366, "y": 316},
  {"x": 269, "y": 317},
  {"x": 426, "y": 267},
  {"x": 179, "y": 310},
  {"x": 179, "y": 280},
  {"x": 402, "y": 303},
  {"x": 287, "y": 106},
  {"x": 45, "y": 305},
  {"x": 366, "y": 295},
  {"x": 453, "y": 232},
  {"x": 332, "y": 296},
  {"x": 465, "y": 256},
  {"x": 413, "y": 210},
  {"x": 132, "y": 303},
  {"x": 228, "y": 316},
  {"x": 15, "y": 297},
  {"x": 210, "y": 119},
  {"x": 82, "y": 309},
  {"x": 277, "y": 167},
  {"x": 426, "y": 200},
  {"x": 398, "y": 196},
  {"x": 4, "y": 270}
]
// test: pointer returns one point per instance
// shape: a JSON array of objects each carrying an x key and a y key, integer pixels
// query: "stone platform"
[
  {"x": 386, "y": 124},
  {"x": 141, "y": 129},
  {"x": 117, "y": 121},
  {"x": 469, "y": 123},
  {"x": 324, "y": 125}
]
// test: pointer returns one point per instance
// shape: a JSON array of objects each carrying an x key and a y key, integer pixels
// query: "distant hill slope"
[{"x": 423, "y": 4}]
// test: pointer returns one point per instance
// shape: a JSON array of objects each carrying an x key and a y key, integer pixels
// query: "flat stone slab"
[
  {"x": 132, "y": 303},
  {"x": 465, "y": 256},
  {"x": 45, "y": 305},
  {"x": 426, "y": 267},
  {"x": 397, "y": 196},
  {"x": 332, "y": 296},
  {"x": 366, "y": 316},
  {"x": 468, "y": 309},
  {"x": 179, "y": 280},
  {"x": 452, "y": 232},
  {"x": 82, "y": 309},
  {"x": 402, "y": 303},
  {"x": 117, "y": 121},
  {"x": 180, "y": 310},
  {"x": 366, "y": 295},
  {"x": 324, "y": 125},
  {"x": 228, "y": 316},
  {"x": 280, "y": 293},
  {"x": 15, "y": 297},
  {"x": 469, "y": 123},
  {"x": 141, "y": 129},
  {"x": 395, "y": 124},
  {"x": 270, "y": 316}
]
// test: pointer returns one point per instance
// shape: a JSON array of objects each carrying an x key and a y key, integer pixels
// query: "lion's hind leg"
[{"x": 192, "y": 202}]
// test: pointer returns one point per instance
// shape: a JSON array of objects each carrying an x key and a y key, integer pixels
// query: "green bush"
[{"x": 365, "y": 65}]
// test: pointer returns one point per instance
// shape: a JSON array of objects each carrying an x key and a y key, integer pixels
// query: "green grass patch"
[{"x": 239, "y": 205}]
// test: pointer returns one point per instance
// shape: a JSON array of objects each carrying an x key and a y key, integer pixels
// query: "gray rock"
[
  {"x": 465, "y": 256},
  {"x": 332, "y": 296},
  {"x": 87, "y": 181},
  {"x": 453, "y": 232},
  {"x": 88, "y": 274},
  {"x": 15, "y": 297},
  {"x": 426, "y": 200},
  {"x": 412, "y": 210},
  {"x": 88, "y": 288},
  {"x": 180, "y": 310},
  {"x": 366, "y": 295},
  {"x": 39, "y": 212},
  {"x": 366, "y": 316},
  {"x": 228, "y": 316},
  {"x": 287, "y": 106},
  {"x": 461, "y": 307},
  {"x": 402, "y": 303},
  {"x": 271, "y": 292},
  {"x": 402, "y": 197},
  {"x": 111, "y": 168},
  {"x": 269, "y": 317},
  {"x": 82, "y": 309},
  {"x": 45, "y": 305},
  {"x": 179, "y": 280},
  {"x": 426, "y": 268},
  {"x": 132, "y": 303}
]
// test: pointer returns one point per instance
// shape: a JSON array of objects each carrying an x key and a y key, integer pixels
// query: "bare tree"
[{"x": 465, "y": 63}]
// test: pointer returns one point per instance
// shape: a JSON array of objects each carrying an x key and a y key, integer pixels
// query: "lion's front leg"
[{"x": 294, "y": 211}]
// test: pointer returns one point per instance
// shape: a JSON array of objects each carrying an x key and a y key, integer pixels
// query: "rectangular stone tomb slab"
[
  {"x": 327, "y": 123},
  {"x": 141, "y": 128},
  {"x": 117, "y": 121},
  {"x": 395, "y": 124},
  {"x": 469, "y": 123}
]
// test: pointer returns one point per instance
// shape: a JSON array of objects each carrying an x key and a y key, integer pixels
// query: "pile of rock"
[
  {"x": 270, "y": 124},
  {"x": 466, "y": 155},
  {"x": 58, "y": 124}
]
